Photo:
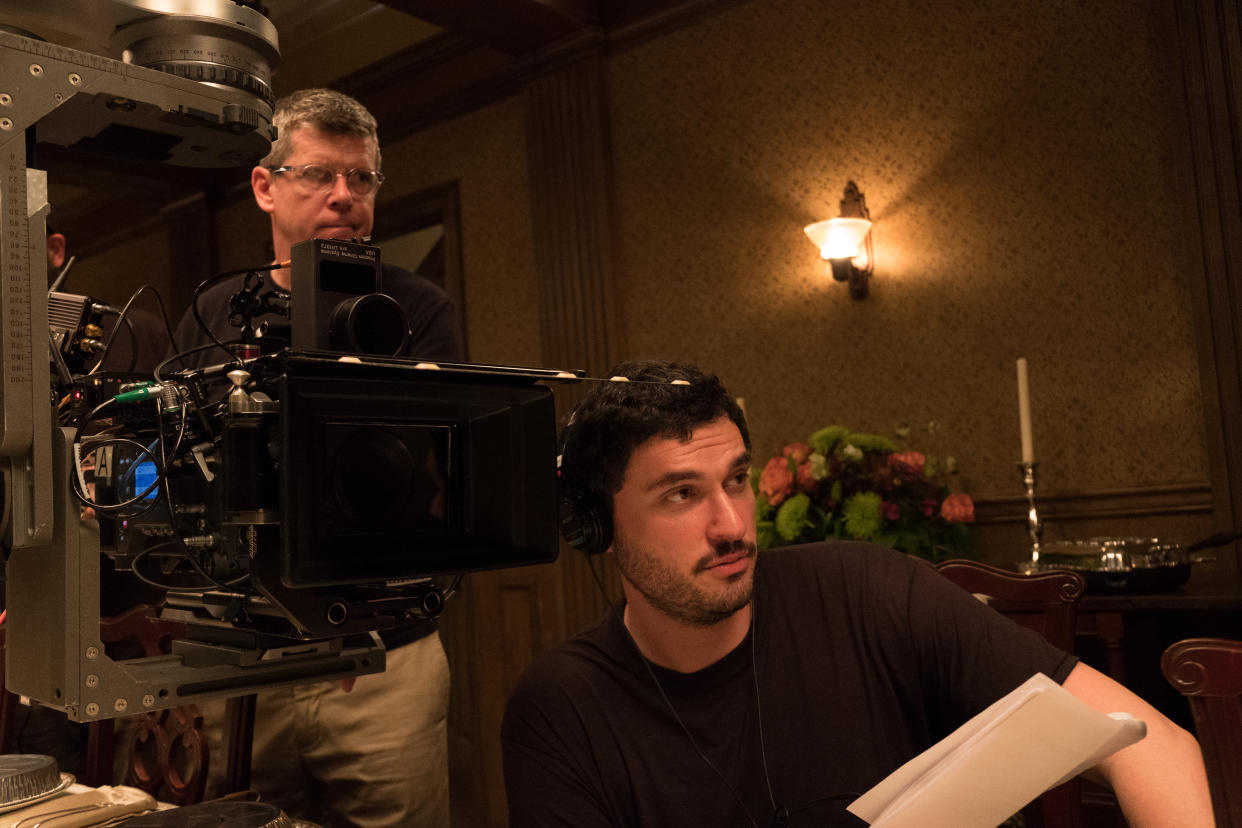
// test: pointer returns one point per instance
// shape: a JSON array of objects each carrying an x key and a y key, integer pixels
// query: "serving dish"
[{"x": 1118, "y": 564}]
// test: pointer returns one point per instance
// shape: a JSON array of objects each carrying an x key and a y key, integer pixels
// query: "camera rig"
[{"x": 289, "y": 520}]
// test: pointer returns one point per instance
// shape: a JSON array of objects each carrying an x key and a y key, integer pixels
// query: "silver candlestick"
[{"x": 1034, "y": 529}]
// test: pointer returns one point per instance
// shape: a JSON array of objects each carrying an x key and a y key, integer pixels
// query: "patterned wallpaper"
[
  {"x": 1016, "y": 160},
  {"x": 485, "y": 152}
]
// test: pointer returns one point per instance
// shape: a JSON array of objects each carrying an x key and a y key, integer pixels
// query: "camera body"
[{"x": 328, "y": 495}]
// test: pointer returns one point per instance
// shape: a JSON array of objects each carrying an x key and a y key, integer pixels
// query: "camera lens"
[
  {"x": 373, "y": 475},
  {"x": 369, "y": 324}
]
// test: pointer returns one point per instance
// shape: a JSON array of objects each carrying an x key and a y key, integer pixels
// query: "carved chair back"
[
  {"x": 1208, "y": 672},
  {"x": 1046, "y": 602}
]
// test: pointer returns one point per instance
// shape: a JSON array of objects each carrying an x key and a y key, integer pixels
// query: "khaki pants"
[{"x": 376, "y": 756}]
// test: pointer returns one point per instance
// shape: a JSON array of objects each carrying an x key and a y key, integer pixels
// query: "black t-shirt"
[
  {"x": 434, "y": 332},
  {"x": 138, "y": 346},
  {"x": 862, "y": 657}
]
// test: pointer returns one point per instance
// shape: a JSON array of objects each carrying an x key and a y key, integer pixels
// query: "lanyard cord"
[{"x": 780, "y": 816}]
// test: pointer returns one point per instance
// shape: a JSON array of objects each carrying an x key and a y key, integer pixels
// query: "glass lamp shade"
[{"x": 839, "y": 238}]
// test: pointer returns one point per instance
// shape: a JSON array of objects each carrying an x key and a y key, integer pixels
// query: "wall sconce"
[{"x": 845, "y": 242}]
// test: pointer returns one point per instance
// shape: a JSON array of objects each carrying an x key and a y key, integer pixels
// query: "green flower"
[
  {"x": 873, "y": 442},
  {"x": 763, "y": 509},
  {"x": 862, "y": 516},
  {"x": 791, "y": 517},
  {"x": 766, "y": 536},
  {"x": 819, "y": 466},
  {"x": 826, "y": 439}
]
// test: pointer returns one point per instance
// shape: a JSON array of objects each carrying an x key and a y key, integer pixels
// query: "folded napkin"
[{"x": 102, "y": 806}]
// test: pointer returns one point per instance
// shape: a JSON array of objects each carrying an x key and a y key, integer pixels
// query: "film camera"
[
  {"x": 335, "y": 486},
  {"x": 289, "y": 507},
  {"x": 314, "y": 495}
]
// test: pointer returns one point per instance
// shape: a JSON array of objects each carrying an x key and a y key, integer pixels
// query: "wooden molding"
[
  {"x": 447, "y": 76},
  {"x": 1168, "y": 499},
  {"x": 433, "y": 205},
  {"x": 516, "y": 27}
]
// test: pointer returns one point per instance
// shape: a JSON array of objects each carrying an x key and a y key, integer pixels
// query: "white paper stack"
[{"x": 1031, "y": 740}]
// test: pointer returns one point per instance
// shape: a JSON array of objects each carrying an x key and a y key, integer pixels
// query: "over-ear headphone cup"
[{"x": 586, "y": 524}]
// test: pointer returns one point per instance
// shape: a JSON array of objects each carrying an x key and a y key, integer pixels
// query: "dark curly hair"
[{"x": 618, "y": 417}]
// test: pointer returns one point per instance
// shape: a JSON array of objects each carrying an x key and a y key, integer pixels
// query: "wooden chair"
[
  {"x": 1208, "y": 672},
  {"x": 1047, "y": 603}
]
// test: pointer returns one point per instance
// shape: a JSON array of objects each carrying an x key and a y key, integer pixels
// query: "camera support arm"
[{"x": 55, "y": 653}]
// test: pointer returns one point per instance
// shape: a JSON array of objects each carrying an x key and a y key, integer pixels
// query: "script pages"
[{"x": 1033, "y": 739}]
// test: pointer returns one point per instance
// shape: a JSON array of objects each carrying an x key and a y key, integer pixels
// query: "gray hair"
[{"x": 324, "y": 109}]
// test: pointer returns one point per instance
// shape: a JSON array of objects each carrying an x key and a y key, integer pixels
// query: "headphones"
[{"x": 585, "y": 519}]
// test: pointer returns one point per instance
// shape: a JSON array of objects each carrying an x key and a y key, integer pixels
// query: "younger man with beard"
[{"x": 732, "y": 689}]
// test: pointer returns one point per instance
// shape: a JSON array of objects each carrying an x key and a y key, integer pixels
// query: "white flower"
[
  {"x": 819, "y": 466},
  {"x": 851, "y": 452}
]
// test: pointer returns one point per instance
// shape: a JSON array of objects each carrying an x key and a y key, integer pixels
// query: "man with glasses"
[
  {"x": 374, "y": 752},
  {"x": 319, "y": 182}
]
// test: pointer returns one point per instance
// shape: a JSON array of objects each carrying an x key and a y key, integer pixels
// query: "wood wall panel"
[
  {"x": 1180, "y": 513},
  {"x": 512, "y": 614},
  {"x": 571, "y": 206},
  {"x": 1204, "y": 40},
  {"x": 580, "y": 311}
]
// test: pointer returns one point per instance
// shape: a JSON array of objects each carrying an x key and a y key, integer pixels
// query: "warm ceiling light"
[{"x": 845, "y": 241}]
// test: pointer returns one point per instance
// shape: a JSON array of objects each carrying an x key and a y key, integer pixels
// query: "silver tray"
[{"x": 1116, "y": 564}]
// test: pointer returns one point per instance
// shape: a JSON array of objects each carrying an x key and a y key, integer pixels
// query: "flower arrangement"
[{"x": 841, "y": 484}]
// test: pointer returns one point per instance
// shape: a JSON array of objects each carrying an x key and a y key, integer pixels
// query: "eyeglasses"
[{"x": 314, "y": 178}]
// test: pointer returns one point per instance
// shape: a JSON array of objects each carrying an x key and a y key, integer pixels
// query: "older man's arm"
[{"x": 1160, "y": 780}]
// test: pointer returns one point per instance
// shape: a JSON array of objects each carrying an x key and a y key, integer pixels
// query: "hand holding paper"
[{"x": 1031, "y": 740}]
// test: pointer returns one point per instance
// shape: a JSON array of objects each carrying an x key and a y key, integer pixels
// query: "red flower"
[
  {"x": 777, "y": 481},
  {"x": 805, "y": 481},
  {"x": 891, "y": 510},
  {"x": 798, "y": 452},
  {"x": 911, "y": 462},
  {"x": 958, "y": 508}
]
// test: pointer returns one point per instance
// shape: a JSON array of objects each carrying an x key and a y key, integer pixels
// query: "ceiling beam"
[{"x": 515, "y": 27}]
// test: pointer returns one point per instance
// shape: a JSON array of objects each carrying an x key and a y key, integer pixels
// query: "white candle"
[{"x": 1024, "y": 413}]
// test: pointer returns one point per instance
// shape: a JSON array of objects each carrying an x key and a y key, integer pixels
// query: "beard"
[{"x": 681, "y": 596}]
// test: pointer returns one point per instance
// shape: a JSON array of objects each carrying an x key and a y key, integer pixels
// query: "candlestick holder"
[{"x": 1034, "y": 529}]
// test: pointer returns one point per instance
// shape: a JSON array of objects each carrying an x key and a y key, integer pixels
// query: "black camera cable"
[
  {"x": 211, "y": 282},
  {"x": 123, "y": 318}
]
